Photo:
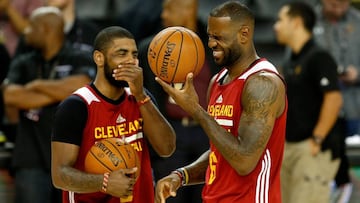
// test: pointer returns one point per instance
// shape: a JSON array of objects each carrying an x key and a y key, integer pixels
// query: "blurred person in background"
[
  {"x": 80, "y": 32},
  {"x": 14, "y": 16},
  {"x": 313, "y": 130},
  {"x": 36, "y": 82},
  {"x": 4, "y": 68},
  {"x": 191, "y": 139},
  {"x": 338, "y": 30}
]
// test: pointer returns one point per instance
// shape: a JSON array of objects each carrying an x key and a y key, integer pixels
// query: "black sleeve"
[
  {"x": 325, "y": 71},
  {"x": 16, "y": 70},
  {"x": 70, "y": 120},
  {"x": 5, "y": 62}
]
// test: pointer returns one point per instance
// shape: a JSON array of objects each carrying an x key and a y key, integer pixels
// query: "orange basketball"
[
  {"x": 111, "y": 154},
  {"x": 174, "y": 52}
]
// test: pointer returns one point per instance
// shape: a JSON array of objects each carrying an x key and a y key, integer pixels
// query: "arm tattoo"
[
  {"x": 257, "y": 119},
  {"x": 78, "y": 180}
]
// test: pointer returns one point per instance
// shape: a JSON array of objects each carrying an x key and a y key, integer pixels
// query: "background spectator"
[
  {"x": 338, "y": 30},
  {"x": 80, "y": 32},
  {"x": 46, "y": 76},
  {"x": 313, "y": 131},
  {"x": 14, "y": 16}
]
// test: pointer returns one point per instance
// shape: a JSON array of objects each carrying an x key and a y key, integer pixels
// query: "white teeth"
[{"x": 217, "y": 53}]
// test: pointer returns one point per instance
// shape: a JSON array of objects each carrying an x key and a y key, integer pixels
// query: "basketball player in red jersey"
[
  {"x": 103, "y": 109},
  {"x": 245, "y": 119}
]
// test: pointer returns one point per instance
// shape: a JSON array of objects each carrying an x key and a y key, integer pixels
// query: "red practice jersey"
[
  {"x": 223, "y": 184},
  {"x": 106, "y": 120}
]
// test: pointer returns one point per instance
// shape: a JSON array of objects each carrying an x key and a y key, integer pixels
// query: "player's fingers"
[
  {"x": 189, "y": 80},
  {"x": 159, "y": 195},
  {"x": 129, "y": 171},
  {"x": 172, "y": 190},
  {"x": 167, "y": 88}
]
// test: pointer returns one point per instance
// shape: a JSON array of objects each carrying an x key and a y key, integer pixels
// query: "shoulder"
[
  {"x": 26, "y": 57},
  {"x": 73, "y": 102},
  {"x": 263, "y": 79},
  {"x": 76, "y": 56},
  {"x": 319, "y": 55},
  {"x": 72, "y": 105},
  {"x": 25, "y": 61},
  {"x": 69, "y": 50},
  {"x": 263, "y": 90}
]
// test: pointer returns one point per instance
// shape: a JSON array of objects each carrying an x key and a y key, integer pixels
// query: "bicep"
[
  {"x": 261, "y": 100},
  {"x": 64, "y": 154},
  {"x": 70, "y": 120}
]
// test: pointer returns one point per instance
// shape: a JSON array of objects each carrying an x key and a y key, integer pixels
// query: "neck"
[
  {"x": 106, "y": 89},
  {"x": 298, "y": 42},
  {"x": 52, "y": 49},
  {"x": 241, "y": 64}
]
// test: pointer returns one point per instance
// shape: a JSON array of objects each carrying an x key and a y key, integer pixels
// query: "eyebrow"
[{"x": 124, "y": 50}]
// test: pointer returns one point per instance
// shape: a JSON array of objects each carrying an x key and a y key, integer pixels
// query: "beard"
[
  {"x": 231, "y": 55},
  {"x": 230, "y": 58},
  {"x": 111, "y": 79}
]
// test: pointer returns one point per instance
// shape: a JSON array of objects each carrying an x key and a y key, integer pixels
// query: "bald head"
[{"x": 48, "y": 15}]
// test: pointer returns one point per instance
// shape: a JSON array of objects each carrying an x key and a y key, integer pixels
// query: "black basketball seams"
[
  {"x": 179, "y": 55},
  {"x": 197, "y": 51},
  {"x": 160, "y": 49},
  {"x": 119, "y": 152},
  {"x": 92, "y": 153}
]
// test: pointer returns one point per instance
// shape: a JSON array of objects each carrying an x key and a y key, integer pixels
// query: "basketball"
[
  {"x": 111, "y": 154},
  {"x": 174, "y": 52}
]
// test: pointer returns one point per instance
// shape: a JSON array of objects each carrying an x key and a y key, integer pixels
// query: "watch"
[{"x": 317, "y": 139}]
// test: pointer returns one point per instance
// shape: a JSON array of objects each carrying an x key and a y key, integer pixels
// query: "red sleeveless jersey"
[
  {"x": 222, "y": 183},
  {"x": 106, "y": 120}
]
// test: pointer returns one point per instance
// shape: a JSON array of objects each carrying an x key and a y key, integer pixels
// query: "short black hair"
[
  {"x": 305, "y": 12},
  {"x": 235, "y": 10},
  {"x": 105, "y": 36}
]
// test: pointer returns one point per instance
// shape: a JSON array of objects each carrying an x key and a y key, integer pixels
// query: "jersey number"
[{"x": 212, "y": 165}]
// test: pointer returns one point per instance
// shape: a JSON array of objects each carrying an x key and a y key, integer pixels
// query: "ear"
[
  {"x": 98, "y": 58},
  {"x": 297, "y": 21},
  {"x": 244, "y": 34}
]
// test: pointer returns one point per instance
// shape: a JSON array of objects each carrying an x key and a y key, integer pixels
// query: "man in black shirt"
[
  {"x": 35, "y": 84},
  {"x": 311, "y": 156},
  {"x": 80, "y": 32}
]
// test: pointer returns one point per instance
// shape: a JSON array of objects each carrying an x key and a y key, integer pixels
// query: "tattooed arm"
[
  {"x": 263, "y": 100},
  {"x": 67, "y": 178}
]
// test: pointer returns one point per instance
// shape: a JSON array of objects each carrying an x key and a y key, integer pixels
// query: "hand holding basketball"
[
  {"x": 174, "y": 52},
  {"x": 111, "y": 154}
]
